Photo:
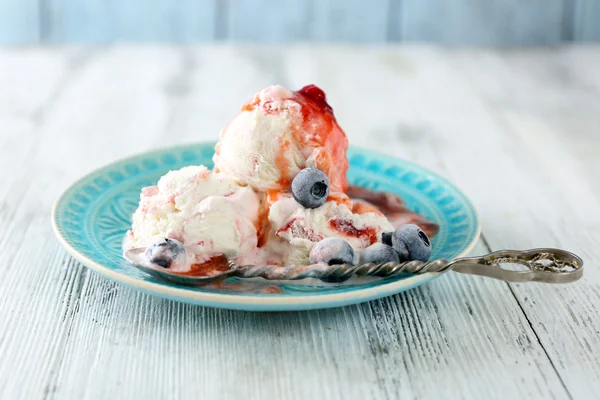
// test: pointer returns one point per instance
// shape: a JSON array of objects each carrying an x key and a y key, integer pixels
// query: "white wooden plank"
[
  {"x": 556, "y": 122},
  {"x": 474, "y": 22},
  {"x": 379, "y": 350},
  {"x": 209, "y": 88},
  {"x": 44, "y": 277},
  {"x": 19, "y": 22},
  {"x": 502, "y": 122},
  {"x": 28, "y": 78},
  {"x": 30, "y": 81}
]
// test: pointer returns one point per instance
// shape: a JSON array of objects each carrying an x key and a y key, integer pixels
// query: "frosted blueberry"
[
  {"x": 386, "y": 238},
  {"x": 332, "y": 251},
  {"x": 310, "y": 187},
  {"x": 164, "y": 252},
  {"x": 400, "y": 249},
  {"x": 378, "y": 253},
  {"x": 414, "y": 240}
]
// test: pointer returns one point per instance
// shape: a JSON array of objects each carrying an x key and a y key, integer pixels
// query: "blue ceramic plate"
[{"x": 92, "y": 216}]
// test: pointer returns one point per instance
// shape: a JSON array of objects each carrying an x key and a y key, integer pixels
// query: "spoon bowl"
[{"x": 137, "y": 258}]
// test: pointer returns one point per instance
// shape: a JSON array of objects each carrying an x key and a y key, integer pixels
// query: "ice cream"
[
  {"x": 278, "y": 187},
  {"x": 296, "y": 229},
  {"x": 278, "y": 133},
  {"x": 208, "y": 213}
]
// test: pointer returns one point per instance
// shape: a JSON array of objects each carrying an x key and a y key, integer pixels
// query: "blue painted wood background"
[{"x": 451, "y": 22}]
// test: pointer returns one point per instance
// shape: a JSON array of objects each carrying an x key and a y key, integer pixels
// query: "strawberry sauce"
[
  {"x": 298, "y": 229},
  {"x": 321, "y": 131},
  {"x": 346, "y": 227},
  {"x": 213, "y": 266},
  {"x": 263, "y": 226},
  {"x": 317, "y": 96}
]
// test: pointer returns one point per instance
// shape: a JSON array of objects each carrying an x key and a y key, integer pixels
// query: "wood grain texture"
[
  {"x": 549, "y": 120},
  {"x": 530, "y": 124},
  {"x": 379, "y": 350},
  {"x": 474, "y": 22},
  {"x": 479, "y": 118}
]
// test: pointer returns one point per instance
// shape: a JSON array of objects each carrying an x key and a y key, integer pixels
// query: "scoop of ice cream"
[
  {"x": 277, "y": 134},
  {"x": 296, "y": 229},
  {"x": 220, "y": 227},
  {"x": 209, "y": 213}
]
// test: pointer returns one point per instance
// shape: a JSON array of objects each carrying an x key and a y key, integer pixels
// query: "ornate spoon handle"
[{"x": 539, "y": 265}]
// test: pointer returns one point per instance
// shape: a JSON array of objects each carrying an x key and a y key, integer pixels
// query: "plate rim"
[{"x": 259, "y": 303}]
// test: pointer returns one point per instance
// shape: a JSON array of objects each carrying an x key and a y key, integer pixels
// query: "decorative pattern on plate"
[{"x": 92, "y": 216}]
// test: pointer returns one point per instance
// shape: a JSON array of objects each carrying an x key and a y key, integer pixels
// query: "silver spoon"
[{"x": 537, "y": 265}]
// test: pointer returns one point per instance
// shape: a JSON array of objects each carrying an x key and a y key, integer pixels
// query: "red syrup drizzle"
[
  {"x": 213, "y": 266},
  {"x": 348, "y": 229}
]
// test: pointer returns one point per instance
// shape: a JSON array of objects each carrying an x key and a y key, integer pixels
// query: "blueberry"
[
  {"x": 414, "y": 240},
  {"x": 401, "y": 249},
  {"x": 332, "y": 251},
  {"x": 386, "y": 238},
  {"x": 378, "y": 253},
  {"x": 165, "y": 252},
  {"x": 310, "y": 187}
]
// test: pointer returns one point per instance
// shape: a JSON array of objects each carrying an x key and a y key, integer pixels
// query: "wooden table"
[{"x": 517, "y": 130}]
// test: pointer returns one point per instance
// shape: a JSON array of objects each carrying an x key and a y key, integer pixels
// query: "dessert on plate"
[{"x": 277, "y": 195}]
